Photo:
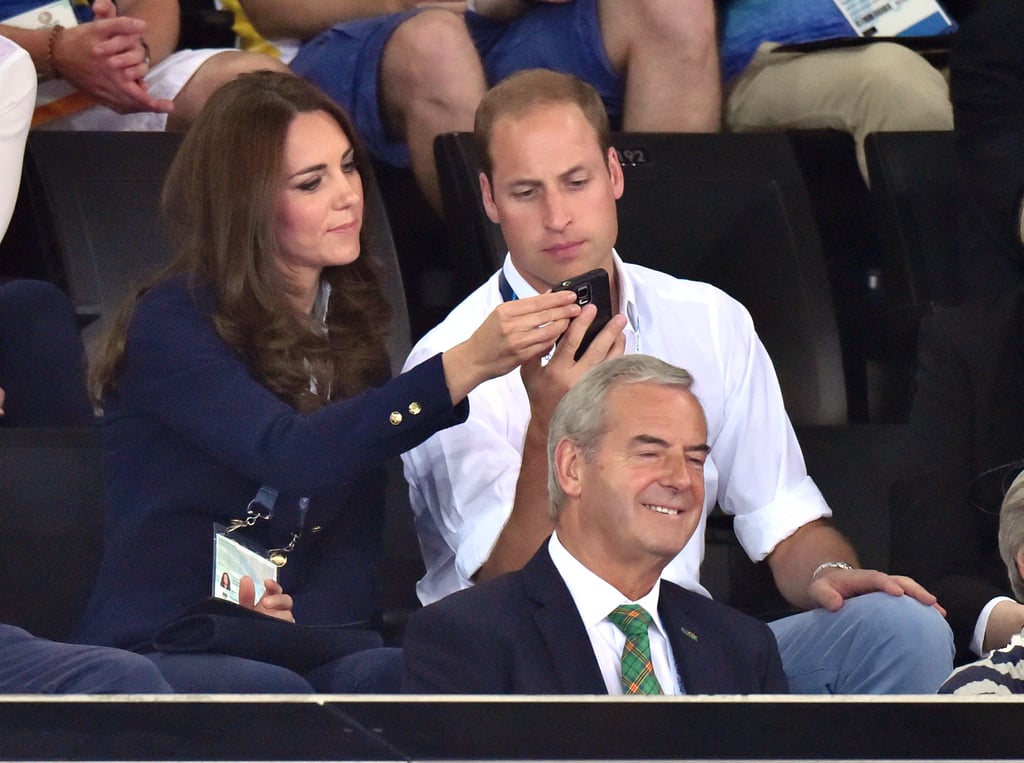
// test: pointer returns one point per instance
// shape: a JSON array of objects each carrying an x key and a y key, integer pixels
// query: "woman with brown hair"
[{"x": 248, "y": 386}]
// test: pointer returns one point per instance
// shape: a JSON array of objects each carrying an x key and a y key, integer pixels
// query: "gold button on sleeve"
[
  {"x": 395, "y": 418},
  {"x": 415, "y": 408}
]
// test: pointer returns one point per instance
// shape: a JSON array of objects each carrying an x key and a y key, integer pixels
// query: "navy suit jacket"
[{"x": 522, "y": 634}]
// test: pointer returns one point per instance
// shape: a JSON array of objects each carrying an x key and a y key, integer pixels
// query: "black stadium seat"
[
  {"x": 914, "y": 190},
  {"x": 51, "y": 499},
  {"x": 95, "y": 208},
  {"x": 913, "y": 185}
]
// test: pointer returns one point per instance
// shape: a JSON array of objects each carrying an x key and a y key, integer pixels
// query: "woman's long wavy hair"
[{"x": 218, "y": 201}]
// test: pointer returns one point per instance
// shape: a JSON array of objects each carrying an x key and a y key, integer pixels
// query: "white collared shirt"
[
  {"x": 595, "y": 598},
  {"x": 463, "y": 479},
  {"x": 18, "y": 74}
]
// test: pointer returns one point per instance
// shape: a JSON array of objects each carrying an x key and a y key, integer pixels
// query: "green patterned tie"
[{"x": 637, "y": 671}]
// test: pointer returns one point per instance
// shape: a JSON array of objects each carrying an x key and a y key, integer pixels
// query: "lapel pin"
[{"x": 689, "y": 634}]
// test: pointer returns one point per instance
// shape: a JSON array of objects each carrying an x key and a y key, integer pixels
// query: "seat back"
[
  {"x": 855, "y": 466},
  {"x": 51, "y": 509},
  {"x": 380, "y": 247},
  {"x": 731, "y": 210},
  {"x": 401, "y": 564},
  {"x": 913, "y": 187},
  {"x": 916, "y": 205},
  {"x": 475, "y": 244},
  {"x": 95, "y": 200}
]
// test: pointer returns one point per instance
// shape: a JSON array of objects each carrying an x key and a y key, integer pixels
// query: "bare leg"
[
  {"x": 668, "y": 52},
  {"x": 432, "y": 81},
  {"x": 214, "y": 72}
]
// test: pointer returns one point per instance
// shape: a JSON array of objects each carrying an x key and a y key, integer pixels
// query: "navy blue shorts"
[{"x": 345, "y": 60}]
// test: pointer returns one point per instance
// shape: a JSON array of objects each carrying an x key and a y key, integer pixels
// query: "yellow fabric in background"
[{"x": 248, "y": 37}]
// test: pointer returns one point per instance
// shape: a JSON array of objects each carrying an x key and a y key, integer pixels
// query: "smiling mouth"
[{"x": 662, "y": 509}]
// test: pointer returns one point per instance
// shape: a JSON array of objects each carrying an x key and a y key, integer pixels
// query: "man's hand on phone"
[{"x": 546, "y": 384}]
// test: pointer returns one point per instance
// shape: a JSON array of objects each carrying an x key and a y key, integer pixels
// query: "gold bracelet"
[{"x": 51, "y": 43}]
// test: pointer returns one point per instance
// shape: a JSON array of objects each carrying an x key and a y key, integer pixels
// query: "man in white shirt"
[
  {"x": 589, "y": 613},
  {"x": 550, "y": 180}
]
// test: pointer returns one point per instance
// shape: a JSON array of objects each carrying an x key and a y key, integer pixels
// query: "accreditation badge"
[{"x": 233, "y": 559}]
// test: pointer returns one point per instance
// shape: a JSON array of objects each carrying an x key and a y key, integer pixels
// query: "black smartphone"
[{"x": 591, "y": 288}]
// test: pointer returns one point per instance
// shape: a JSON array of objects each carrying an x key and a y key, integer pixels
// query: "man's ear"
[
  {"x": 568, "y": 460},
  {"x": 1019, "y": 557},
  {"x": 487, "y": 194},
  {"x": 615, "y": 170}
]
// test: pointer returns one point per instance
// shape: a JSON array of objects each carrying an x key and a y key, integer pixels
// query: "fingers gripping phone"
[{"x": 591, "y": 288}]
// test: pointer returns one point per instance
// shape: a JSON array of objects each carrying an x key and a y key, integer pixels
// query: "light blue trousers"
[{"x": 875, "y": 644}]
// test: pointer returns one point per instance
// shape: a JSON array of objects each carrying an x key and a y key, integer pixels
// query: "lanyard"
[
  {"x": 507, "y": 294},
  {"x": 266, "y": 499}
]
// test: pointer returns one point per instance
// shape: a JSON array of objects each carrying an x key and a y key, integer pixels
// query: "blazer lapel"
[
  {"x": 561, "y": 628},
  {"x": 698, "y": 670}
]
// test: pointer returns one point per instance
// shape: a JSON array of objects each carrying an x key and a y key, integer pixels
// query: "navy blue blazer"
[
  {"x": 522, "y": 634},
  {"x": 189, "y": 437}
]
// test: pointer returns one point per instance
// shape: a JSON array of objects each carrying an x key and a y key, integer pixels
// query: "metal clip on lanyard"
[{"x": 265, "y": 499}]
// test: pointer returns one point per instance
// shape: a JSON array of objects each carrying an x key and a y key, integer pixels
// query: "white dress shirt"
[
  {"x": 463, "y": 479},
  {"x": 17, "y": 100},
  {"x": 595, "y": 598}
]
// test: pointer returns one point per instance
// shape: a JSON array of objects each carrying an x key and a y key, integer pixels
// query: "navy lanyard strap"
[
  {"x": 266, "y": 497},
  {"x": 507, "y": 294},
  {"x": 262, "y": 507}
]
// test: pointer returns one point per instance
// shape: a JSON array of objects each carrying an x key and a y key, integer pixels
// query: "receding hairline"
[
  {"x": 530, "y": 89},
  {"x": 526, "y": 110},
  {"x": 512, "y": 119}
]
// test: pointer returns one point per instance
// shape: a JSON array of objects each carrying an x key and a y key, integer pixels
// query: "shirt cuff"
[
  {"x": 760, "y": 531},
  {"x": 982, "y": 625}
]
